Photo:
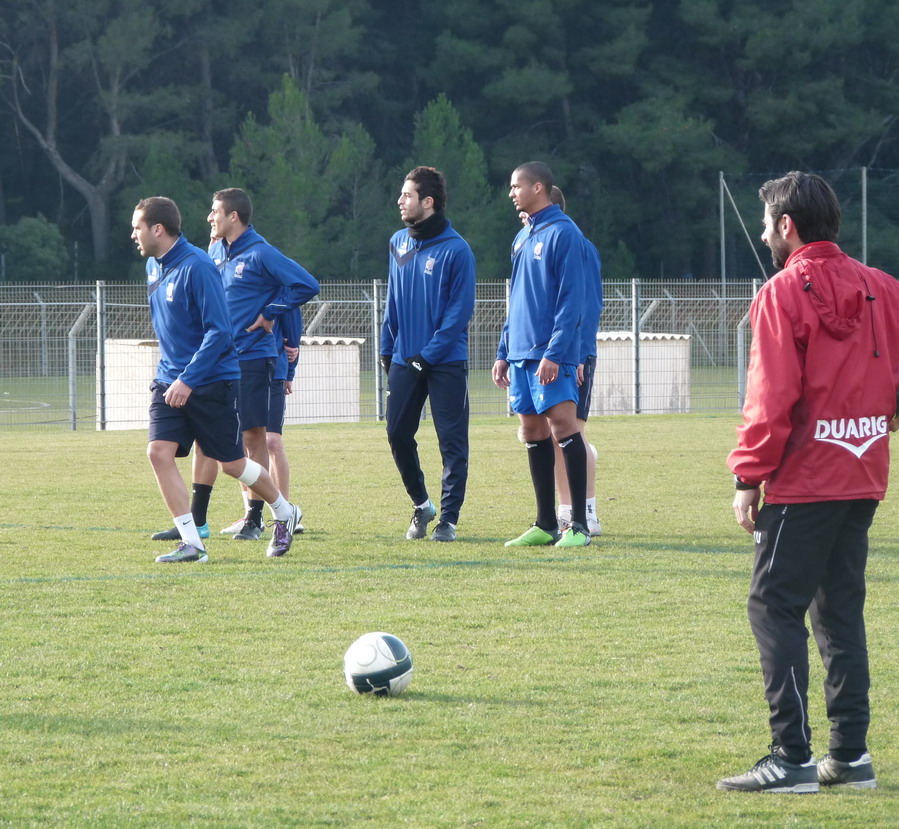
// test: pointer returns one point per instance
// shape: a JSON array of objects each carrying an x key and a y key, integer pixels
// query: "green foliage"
[
  {"x": 34, "y": 251},
  {"x": 441, "y": 140},
  {"x": 606, "y": 688},
  {"x": 316, "y": 194},
  {"x": 636, "y": 106}
]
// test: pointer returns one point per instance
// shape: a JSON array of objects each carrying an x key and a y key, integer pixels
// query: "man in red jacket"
[{"x": 820, "y": 402}]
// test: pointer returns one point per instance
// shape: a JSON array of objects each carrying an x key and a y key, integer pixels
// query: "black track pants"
[{"x": 811, "y": 557}]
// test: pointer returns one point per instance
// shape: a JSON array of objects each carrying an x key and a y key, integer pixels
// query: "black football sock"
[
  {"x": 254, "y": 511},
  {"x": 199, "y": 503},
  {"x": 542, "y": 461},
  {"x": 574, "y": 451}
]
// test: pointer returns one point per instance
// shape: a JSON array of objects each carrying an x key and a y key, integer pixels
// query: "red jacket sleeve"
[{"x": 774, "y": 386}]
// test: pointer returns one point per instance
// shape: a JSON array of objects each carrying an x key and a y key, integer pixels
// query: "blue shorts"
[
  {"x": 255, "y": 382},
  {"x": 277, "y": 402},
  {"x": 210, "y": 417},
  {"x": 527, "y": 396},
  {"x": 585, "y": 390}
]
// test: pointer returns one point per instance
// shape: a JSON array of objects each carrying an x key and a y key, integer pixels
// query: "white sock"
[
  {"x": 281, "y": 508},
  {"x": 591, "y": 506},
  {"x": 188, "y": 529},
  {"x": 422, "y": 506},
  {"x": 564, "y": 511}
]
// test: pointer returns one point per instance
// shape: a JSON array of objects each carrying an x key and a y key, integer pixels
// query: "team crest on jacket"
[
  {"x": 538, "y": 251},
  {"x": 238, "y": 271},
  {"x": 429, "y": 266},
  {"x": 856, "y": 434}
]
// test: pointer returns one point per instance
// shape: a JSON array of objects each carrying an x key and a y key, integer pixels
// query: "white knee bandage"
[{"x": 251, "y": 473}]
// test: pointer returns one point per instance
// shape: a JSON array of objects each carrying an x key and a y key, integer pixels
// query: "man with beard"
[
  {"x": 820, "y": 402},
  {"x": 424, "y": 347}
]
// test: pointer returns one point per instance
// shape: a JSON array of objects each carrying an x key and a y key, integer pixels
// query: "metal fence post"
[
  {"x": 73, "y": 364},
  {"x": 45, "y": 361},
  {"x": 635, "y": 328},
  {"x": 101, "y": 355},
  {"x": 376, "y": 339}
]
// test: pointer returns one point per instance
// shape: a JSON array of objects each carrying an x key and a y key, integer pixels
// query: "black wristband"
[{"x": 743, "y": 485}]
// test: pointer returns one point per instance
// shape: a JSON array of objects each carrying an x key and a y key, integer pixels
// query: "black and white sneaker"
[
  {"x": 250, "y": 531},
  {"x": 775, "y": 774},
  {"x": 859, "y": 774},
  {"x": 444, "y": 531},
  {"x": 420, "y": 520}
]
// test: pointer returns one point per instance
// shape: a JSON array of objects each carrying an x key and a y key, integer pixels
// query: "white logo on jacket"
[
  {"x": 538, "y": 251},
  {"x": 170, "y": 291},
  {"x": 238, "y": 271},
  {"x": 429, "y": 266},
  {"x": 841, "y": 432}
]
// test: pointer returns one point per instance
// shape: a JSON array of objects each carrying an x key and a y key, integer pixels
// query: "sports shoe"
[
  {"x": 420, "y": 520},
  {"x": 444, "y": 531},
  {"x": 534, "y": 536},
  {"x": 233, "y": 529},
  {"x": 184, "y": 552},
  {"x": 172, "y": 534},
  {"x": 576, "y": 535},
  {"x": 858, "y": 774},
  {"x": 775, "y": 774},
  {"x": 249, "y": 531},
  {"x": 593, "y": 525},
  {"x": 282, "y": 533}
]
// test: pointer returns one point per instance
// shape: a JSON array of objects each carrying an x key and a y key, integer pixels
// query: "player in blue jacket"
[
  {"x": 194, "y": 395},
  {"x": 261, "y": 285},
  {"x": 540, "y": 348},
  {"x": 424, "y": 347},
  {"x": 586, "y": 370}
]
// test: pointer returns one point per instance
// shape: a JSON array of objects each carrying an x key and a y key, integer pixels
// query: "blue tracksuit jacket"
[
  {"x": 546, "y": 292},
  {"x": 430, "y": 298},
  {"x": 190, "y": 318},
  {"x": 259, "y": 279}
]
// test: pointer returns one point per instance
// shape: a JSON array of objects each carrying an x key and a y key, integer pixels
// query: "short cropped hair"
[
  {"x": 558, "y": 197},
  {"x": 534, "y": 171},
  {"x": 429, "y": 181},
  {"x": 808, "y": 200},
  {"x": 235, "y": 200},
  {"x": 161, "y": 210}
]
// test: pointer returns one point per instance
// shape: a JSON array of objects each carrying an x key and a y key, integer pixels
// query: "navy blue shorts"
[
  {"x": 277, "y": 402},
  {"x": 210, "y": 417},
  {"x": 585, "y": 390},
  {"x": 255, "y": 381}
]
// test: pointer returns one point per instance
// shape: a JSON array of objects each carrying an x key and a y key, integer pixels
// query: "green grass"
[{"x": 608, "y": 687}]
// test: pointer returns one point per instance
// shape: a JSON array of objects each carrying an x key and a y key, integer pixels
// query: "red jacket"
[{"x": 823, "y": 380}]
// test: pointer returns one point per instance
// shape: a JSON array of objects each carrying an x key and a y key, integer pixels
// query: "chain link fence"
[{"x": 83, "y": 356}]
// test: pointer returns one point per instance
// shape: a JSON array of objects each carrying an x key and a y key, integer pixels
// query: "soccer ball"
[{"x": 378, "y": 663}]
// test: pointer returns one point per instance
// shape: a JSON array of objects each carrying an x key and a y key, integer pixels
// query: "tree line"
[{"x": 319, "y": 107}]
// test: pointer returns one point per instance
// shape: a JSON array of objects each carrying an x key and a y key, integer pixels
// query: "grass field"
[{"x": 608, "y": 687}]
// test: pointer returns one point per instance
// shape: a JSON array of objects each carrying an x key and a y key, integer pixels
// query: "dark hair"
[
  {"x": 429, "y": 181},
  {"x": 233, "y": 200},
  {"x": 160, "y": 210},
  {"x": 535, "y": 171},
  {"x": 557, "y": 197},
  {"x": 808, "y": 200}
]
